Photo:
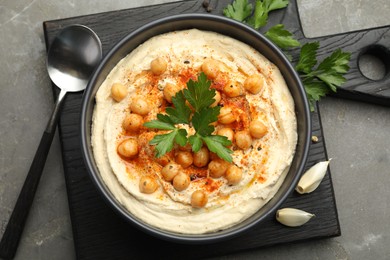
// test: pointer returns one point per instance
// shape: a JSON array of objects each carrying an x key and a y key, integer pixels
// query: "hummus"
[{"x": 263, "y": 162}]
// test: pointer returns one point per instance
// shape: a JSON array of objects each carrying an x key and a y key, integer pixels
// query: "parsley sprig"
[
  {"x": 326, "y": 77},
  {"x": 262, "y": 8},
  {"x": 319, "y": 81},
  {"x": 238, "y": 10},
  {"x": 200, "y": 96},
  {"x": 241, "y": 10},
  {"x": 282, "y": 37}
]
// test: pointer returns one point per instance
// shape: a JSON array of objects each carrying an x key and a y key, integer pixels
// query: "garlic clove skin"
[
  {"x": 293, "y": 217},
  {"x": 312, "y": 178}
]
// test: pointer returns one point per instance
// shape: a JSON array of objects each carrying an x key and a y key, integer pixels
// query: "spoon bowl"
[{"x": 72, "y": 57}]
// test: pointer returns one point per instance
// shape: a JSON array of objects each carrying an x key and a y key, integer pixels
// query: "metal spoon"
[{"x": 71, "y": 59}]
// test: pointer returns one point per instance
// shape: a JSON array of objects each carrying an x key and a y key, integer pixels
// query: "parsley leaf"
[
  {"x": 164, "y": 118},
  {"x": 159, "y": 124},
  {"x": 196, "y": 142},
  {"x": 181, "y": 137},
  {"x": 164, "y": 143},
  {"x": 332, "y": 78},
  {"x": 202, "y": 120},
  {"x": 198, "y": 93},
  {"x": 217, "y": 144},
  {"x": 281, "y": 37},
  {"x": 326, "y": 77},
  {"x": 332, "y": 68},
  {"x": 180, "y": 114},
  {"x": 275, "y": 4},
  {"x": 337, "y": 61},
  {"x": 262, "y": 8},
  {"x": 314, "y": 91},
  {"x": 200, "y": 96},
  {"x": 239, "y": 10},
  {"x": 307, "y": 57}
]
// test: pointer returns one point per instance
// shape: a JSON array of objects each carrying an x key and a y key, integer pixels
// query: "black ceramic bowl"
[{"x": 235, "y": 30}]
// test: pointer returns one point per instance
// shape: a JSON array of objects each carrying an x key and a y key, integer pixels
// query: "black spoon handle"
[{"x": 10, "y": 240}]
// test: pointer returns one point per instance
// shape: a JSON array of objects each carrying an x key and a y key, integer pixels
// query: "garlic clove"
[
  {"x": 293, "y": 217},
  {"x": 312, "y": 178}
]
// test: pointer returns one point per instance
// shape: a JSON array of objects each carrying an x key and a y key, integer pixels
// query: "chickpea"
[
  {"x": 233, "y": 90},
  {"x": 226, "y": 131},
  {"x": 233, "y": 175},
  {"x": 118, "y": 92},
  {"x": 243, "y": 139},
  {"x": 133, "y": 122},
  {"x": 147, "y": 184},
  {"x": 181, "y": 181},
  {"x": 254, "y": 83},
  {"x": 128, "y": 148},
  {"x": 184, "y": 158},
  {"x": 226, "y": 115},
  {"x": 199, "y": 199},
  {"x": 170, "y": 91},
  {"x": 140, "y": 106},
  {"x": 212, "y": 67},
  {"x": 202, "y": 157},
  {"x": 217, "y": 98},
  {"x": 158, "y": 66},
  {"x": 217, "y": 168},
  {"x": 170, "y": 170},
  {"x": 257, "y": 129}
]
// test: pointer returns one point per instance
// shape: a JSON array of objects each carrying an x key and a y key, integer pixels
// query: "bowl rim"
[{"x": 88, "y": 98}]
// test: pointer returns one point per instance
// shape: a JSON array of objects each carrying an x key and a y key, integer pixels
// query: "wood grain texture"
[{"x": 99, "y": 233}]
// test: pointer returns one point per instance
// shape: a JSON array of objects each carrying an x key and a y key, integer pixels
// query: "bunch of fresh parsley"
[
  {"x": 200, "y": 96},
  {"x": 319, "y": 81}
]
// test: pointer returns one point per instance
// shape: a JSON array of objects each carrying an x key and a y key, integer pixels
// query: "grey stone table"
[{"x": 357, "y": 135}]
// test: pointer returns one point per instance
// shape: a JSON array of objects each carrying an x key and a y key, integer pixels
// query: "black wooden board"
[{"x": 99, "y": 233}]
